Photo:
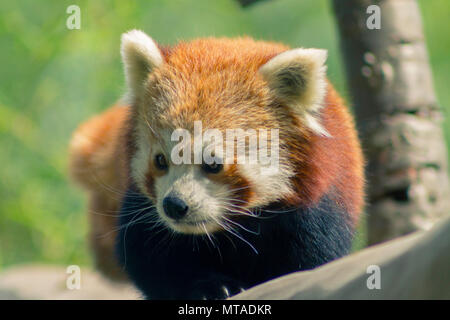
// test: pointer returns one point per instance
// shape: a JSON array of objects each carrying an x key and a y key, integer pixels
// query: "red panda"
[{"x": 211, "y": 229}]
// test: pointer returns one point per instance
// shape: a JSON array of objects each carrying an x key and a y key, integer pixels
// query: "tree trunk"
[{"x": 398, "y": 117}]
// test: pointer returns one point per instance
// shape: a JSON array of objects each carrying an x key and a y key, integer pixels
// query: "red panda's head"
[{"x": 188, "y": 101}]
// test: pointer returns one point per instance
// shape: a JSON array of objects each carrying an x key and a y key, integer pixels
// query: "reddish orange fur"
[
  {"x": 97, "y": 163},
  {"x": 225, "y": 66},
  {"x": 336, "y": 161},
  {"x": 231, "y": 177}
]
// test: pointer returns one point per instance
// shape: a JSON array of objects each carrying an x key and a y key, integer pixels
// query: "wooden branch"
[{"x": 412, "y": 267}]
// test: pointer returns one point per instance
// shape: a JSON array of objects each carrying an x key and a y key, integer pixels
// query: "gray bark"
[
  {"x": 427, "y": 276},
  {"x": 398, "y": 116}
]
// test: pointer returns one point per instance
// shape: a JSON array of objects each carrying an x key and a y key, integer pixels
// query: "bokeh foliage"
[{"x": 53, "y": 78}]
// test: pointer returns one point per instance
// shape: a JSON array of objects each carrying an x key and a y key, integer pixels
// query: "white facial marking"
[
  {"x": 140, "y": 55},
  {"x": 208, "y": 201},
  {"x": 140, "y": 161},
  {"x": 189, "y": 184},
  {"x": 306, "y": 90}
]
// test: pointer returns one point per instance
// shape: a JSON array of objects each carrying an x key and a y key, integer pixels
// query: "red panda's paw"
[{"x": 216, "y": 288}]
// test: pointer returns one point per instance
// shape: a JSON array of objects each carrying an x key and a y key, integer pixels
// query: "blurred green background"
[{"x": 53, "y": 78}]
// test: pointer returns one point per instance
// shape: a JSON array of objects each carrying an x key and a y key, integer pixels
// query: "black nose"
[{"x": 174, "y": 207}]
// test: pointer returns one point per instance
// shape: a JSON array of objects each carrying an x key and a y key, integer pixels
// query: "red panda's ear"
[
  {"x": 298, "y": 78},
  {"x": 140, "y": 55}
]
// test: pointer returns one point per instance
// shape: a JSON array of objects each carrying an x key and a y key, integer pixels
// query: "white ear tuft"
[
  {"x": 140, "y": 55},
  {"x": 298, "y": 78}
]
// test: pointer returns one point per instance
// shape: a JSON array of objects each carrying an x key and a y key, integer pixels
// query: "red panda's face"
[
  {"x": 196, "y": 185},
  {"x": 213, "y": 124}
]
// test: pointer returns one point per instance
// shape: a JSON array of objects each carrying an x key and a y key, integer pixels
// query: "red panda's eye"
[
  {"x": 212, "y": 168},
  {"x": 160, "y": 162}
]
